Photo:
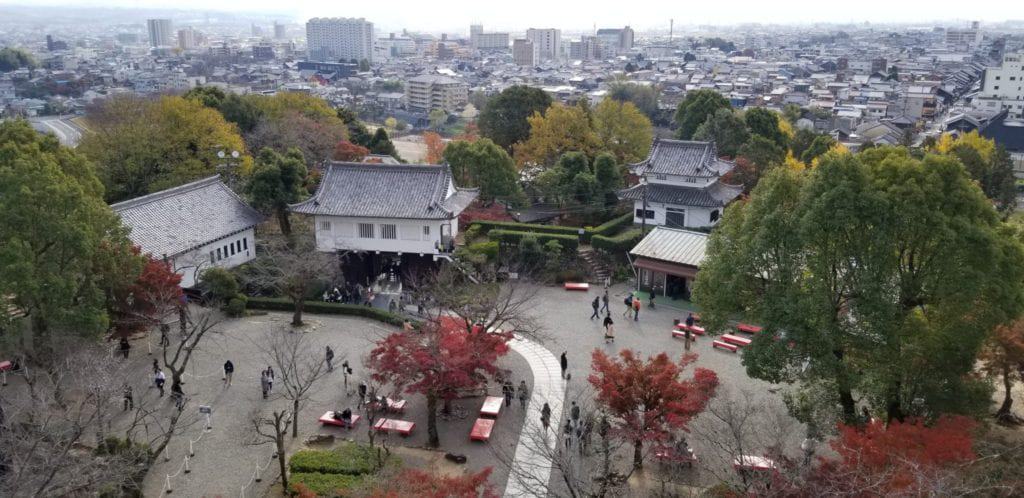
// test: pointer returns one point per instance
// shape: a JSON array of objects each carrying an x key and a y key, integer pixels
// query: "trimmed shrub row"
[
  {"x": 350, "y": 459},
  {"x": 618, "y": 244},
  {"x": 610, "y": 227},
  {"x": 487, "y": 226},
  {"x": 323, "y": 484},
  {"x": 282, "y": 304},
  {"x": 568, "y": 242}
]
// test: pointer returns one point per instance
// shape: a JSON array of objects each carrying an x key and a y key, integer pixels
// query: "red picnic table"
[
  {"x": 735, "y": 339},
  {"x": 481, "y": 429},
  {"x": 403, "y": 427},
  {"x": 681, "y": 334},
  {"x": 753, "y": 462},
  {"x": 748, "y": 329},
  {"x": 577, "y": 286},
  {"x": 328, "y": 419},
  {"x": 692, "y": 328},
  {"x": 724, "y": 345},
  {"x": 492, "y": 406}
]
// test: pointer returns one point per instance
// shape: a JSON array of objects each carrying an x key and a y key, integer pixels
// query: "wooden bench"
[
  {"x": 576, "y": 286},
  {"x": 403, "y": 427},
  {"x": 748, "y": 329},
  {"x": 328, "y": 419},
  {"x": 735, "y": 339},
  {"x": 681, "y": 334},
  {"x": 482, "y": 429},
  {"x": 492, "y": 406},
  {"x": 693, "y": 329},
  {"x": 724, "y": 345}
]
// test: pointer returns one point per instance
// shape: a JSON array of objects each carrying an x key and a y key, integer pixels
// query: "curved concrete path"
[{"x": 531, "y": 465}]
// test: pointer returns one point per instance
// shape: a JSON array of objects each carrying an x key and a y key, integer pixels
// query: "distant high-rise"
[
  {"x": 1002, "y": 87},
  {"x": 160, "y": 34},
  {"x": 548, "y": 42},
  {"x": 616, "y": 40},
  {"x": 486, "y": 41},
  {"x": 52, "y": 45},
  {"x": 279, "y": 31},
  {"x": 339, "y": 39},
  {"x": 524, "y": 52},
  {"x": 186, "y": 39}
]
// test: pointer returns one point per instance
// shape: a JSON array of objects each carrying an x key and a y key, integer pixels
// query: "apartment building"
[
  {"x": 339, "y": 39},
  {"x": 548, "y": 42},
  {"x": 427, "y": 92},
  {"x": 524, "y": 52},
  {"x": 1003, "y": 87}
]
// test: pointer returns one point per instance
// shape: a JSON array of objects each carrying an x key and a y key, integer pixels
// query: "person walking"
[
  {"x": 564, "y": 361},
  {"x": 229, "y": 370},
  {"x": 689, "y": 319},
  {"x": 650, "y": 301},
  {"x": 510, "y": 392},
  {"x": 636, "y": 308},
  {"x": 362, "y": 393},
  {"x": 270, "y": 379},
  {"x": 329, "y": 356},
  {"x": 524, "y": 393},
  {"x": 265, "y": 384},
  {"x": 159, "y": 380},
  {"x": 596, "y": 304},
  {"x": 568, "y": 433},
  {"x": 178, "y": 395},
  {"x": 156, "y": 366},
  {"x": 609, "y": 332},
  {"x": 604, "y": 300},
  {"x": 628, "y": 301},
  {"x": 545, "y": 416},
  {"x": 125, "y": 346},
  {"x": 574, "y": 412},
  {"x": 164, "y": 340},
  {"x": 129, "y": 403}
]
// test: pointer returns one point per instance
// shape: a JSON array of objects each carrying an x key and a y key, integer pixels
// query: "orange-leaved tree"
[
  {"x": 435, "y": 147},
  {"x": 1003, "y": 358},
  {"x": 415, "y": 482}
]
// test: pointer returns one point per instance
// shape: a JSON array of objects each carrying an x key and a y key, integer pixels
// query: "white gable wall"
[
  {"x": 696, "y": 217},
  {"x": 334, "y": 233},
  {"x": 234, "y": 250}
]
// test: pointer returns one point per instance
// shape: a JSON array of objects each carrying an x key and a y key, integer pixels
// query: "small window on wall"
[
  {"x": 426, "y": 230},
  {"x": 232, "y": 246},
  {"x": 245, "y": 243},
  {"x": 219, "y": 257},
  {"x": 714, "y": 216},
  {"x": 366, "y": 230},
  {"x": 640, "y": 214},
  {"x": 212, "y": 259},
  {"x": 325, "y": 226},
  {"x": 388, "y": 232}
]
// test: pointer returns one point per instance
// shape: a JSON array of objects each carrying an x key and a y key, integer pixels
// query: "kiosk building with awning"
[{"x": 667, "y": 261}]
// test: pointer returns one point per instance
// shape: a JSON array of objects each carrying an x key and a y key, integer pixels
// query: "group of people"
[
  {"x": 600, "y": 304},
  {"x": 267, "y": 381},
  {"x": 509, "y": 392},
  {"x": 349, "y": 294}
]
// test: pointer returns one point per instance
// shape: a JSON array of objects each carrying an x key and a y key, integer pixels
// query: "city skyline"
[{"x": 647, "y": 15}]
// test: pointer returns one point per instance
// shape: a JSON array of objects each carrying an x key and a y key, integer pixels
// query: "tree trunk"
[
  {"x": 295, "y": 418},
  {"x": 1005, "y": 412},
  {"x": 434, "y": 441},
  {"x": 638, "y": 454},
  {"x": 849, "y": 405},
  {"x": 894, "y": 408},
  {"x": 282, "y": 461},
  {"x": 284, "y": 222},
  {"x": 297, "y": 315}
]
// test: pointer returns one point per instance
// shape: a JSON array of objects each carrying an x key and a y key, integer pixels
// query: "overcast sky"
[{"x": 515, "y": 15}]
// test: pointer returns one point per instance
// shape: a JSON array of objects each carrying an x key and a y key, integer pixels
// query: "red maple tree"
[
  {"x": 435, "y": 147},
  {"x": 349, "y": 152},
  {"x": 153, "y": 294},
  {"x": 649, "y": 399},
  {"x": 905, "y": 459},
  {"x": 414, "y": 482},
  {"x": 442, "y": 358},
  {"x": 470, "y": 134}
]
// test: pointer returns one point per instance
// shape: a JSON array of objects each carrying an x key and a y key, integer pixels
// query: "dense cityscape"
[{"x": 248, "y": 253}]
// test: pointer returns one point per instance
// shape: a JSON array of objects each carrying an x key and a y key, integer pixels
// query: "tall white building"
[
  {"x": 524, "y": 52},
  {"x": 187, "y": 38},
  {"x": 1003, "y": 87},
  {"x": 480, "y": 40},
  {"x": 548, "y": 42},
  {"x": 160, "y": 34},
  {"x": 280, "y": 32},
  {"x": 339, "y": 39},
  {"x": 964, "y": 38}
]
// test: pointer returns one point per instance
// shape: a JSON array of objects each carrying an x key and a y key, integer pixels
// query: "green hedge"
[
  {"x": 568, "y": 242},
  {"x": 609, "y": 227},
  {"x": 487, "y": 226},
  {"x": 282, "y": 304},
  {"x": 618, "y": 244},
  {"x": 330, "y": 485},
  {"x": 350, "y": 459}
]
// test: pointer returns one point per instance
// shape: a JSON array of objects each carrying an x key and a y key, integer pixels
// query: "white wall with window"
[
  {"x": 227, "y": 252},
  {"x": 382, "y": 234},
  {"x": 676, "y": 216}
]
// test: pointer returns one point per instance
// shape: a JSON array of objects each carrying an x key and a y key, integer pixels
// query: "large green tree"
[
  {"x": 483, "y": 164},
  {"x": 876, "y": 277},
  {"x": 644, "y": 97},
  {"x": 62, "y": 250},
  {"x": 765, "y": 123},
  {"x": 277, "y": 182},
  {"x": 726, "y": 129},
  {"x": 623, "y": 130},
  {"x": 15, "y": 58},
  {"x": 755, "y": 158},
  {"x": 695, "y": 109},
  {"x": 503, "y": 119},
  {"x": 993, "y": 173}
]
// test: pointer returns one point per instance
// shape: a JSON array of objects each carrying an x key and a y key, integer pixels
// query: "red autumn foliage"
[
  {"x": 413, "y": 482},
  {"x": 156, "y": 288},
  {"x": 905, "y": 459},
  {"x": 649, "y": 399},
  {"x": 443, "y": 358},
  {"x": 435, "y": 147},
  {"x": 350, "y": 152},
  {"x": 477, "y": 211},
  {"x": 470, "y": 134}
]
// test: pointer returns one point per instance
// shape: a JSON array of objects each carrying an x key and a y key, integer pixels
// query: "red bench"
[
  {"x": 403, "y": 427},
  {"x": 748, "y": 329},
  {"x": 681, "y": 334},
  {"x": 724, "y": 345},
  {"x": 396, "y": 406},
  {"x": 482, "y": 429},
  {"x": 328, "y": 419},
  {"x": 735, "y": 339},
  {"x": 693, "y": 329},
  {"x": 6, "y": 365},
  {"x": 753, "y": 463},
  {"x": 492, "y": 406},
  {"x": 576, "y": 286}
]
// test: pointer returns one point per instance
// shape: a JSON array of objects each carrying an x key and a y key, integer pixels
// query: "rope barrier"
[{"x": 256, "y": 474}]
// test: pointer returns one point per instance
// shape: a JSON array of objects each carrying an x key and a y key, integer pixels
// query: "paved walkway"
[{"x": 529, "y": 464}]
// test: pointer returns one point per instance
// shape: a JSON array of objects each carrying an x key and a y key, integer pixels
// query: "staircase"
[{"x": 598, "y": 271}]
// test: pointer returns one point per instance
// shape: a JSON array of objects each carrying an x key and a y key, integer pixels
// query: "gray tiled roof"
[
  {"x": 683, "y": 157},
  {"x": 176, "y": 220},
  {"x": 416, "y": 191},
  {"x": 673, "y": 245},
  {"x": 717, "y": 194}
]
